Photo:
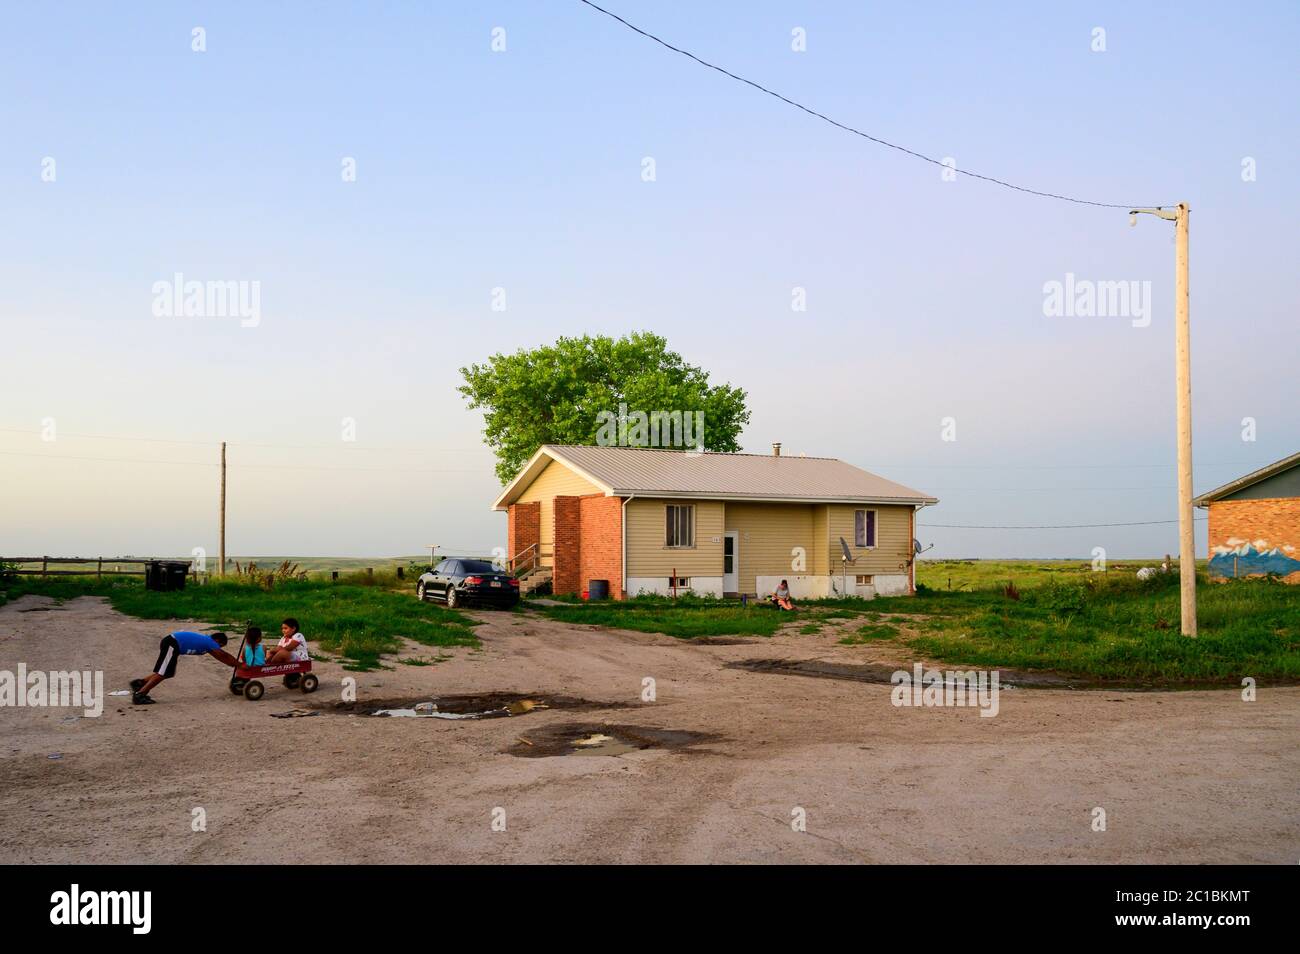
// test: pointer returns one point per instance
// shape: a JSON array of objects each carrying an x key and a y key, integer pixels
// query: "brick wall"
[
  {"x": 523, "y": 527},
  {"x": 602, "y": 542},
  {"x": 568, "y": 545},
  {"x": 1275, "y": 521}
]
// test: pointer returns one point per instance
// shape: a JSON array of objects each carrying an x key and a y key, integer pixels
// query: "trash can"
[
  {"x": 164, "y": 575},
  {"x": 598, "y": 589}
]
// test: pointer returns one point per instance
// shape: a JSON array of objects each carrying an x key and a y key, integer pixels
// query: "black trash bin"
[
  {"x": 597, "y": 590},
  {"x": 165, "y": 575}
]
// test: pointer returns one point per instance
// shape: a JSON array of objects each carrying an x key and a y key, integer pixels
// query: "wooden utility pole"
[
  {"x": 222, "y": 546},
  {"x": 1186, "y": 537},
  {"x": 1183, "y": 386}
]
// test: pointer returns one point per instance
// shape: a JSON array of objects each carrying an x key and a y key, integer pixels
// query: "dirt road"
[{"x": 1190, "y": 777}]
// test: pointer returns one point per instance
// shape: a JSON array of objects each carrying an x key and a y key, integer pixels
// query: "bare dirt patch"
[{"x": 878, "y": 783}]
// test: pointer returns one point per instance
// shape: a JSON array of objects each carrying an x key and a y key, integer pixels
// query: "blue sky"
[{"x": 521, "y": 170}]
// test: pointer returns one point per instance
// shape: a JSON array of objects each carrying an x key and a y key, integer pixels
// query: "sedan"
[{"x": 459, "y": 582}]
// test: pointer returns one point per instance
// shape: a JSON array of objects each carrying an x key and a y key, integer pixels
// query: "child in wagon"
[
  {"x": 292, "y": 646},
  {"x": 254, "y": 652}
]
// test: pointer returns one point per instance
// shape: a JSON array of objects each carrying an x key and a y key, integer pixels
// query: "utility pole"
[
  {"x": 1183, "y": 364},
  {"x": 222, "y": 547}
]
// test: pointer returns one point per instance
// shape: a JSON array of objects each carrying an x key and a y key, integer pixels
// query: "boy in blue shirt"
[{"x": 174, "y": 645}]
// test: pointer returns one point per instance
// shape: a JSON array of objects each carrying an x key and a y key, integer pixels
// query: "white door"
[{"x": 730, "y": 566}]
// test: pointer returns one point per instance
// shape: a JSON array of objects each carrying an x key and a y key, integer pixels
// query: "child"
[
  {"x": 292, "y": 646},
  {"x": 254, "y": 651}
]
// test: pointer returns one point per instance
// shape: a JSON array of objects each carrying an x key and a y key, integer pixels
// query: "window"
[
  {"x": 680, "y": 530},
  {"x": 681, "y": 582},
  {"x": 864, "y": 579},
  {"x": 864, "y": 528}
]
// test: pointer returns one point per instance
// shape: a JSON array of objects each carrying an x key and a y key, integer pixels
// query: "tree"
[{"x": 567, "y": 393}]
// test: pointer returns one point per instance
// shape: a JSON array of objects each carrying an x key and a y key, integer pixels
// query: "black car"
[{"x": 457, "y": 582}]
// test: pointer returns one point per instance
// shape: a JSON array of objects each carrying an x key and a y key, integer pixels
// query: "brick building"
[{"x": 1255, "y": 524}]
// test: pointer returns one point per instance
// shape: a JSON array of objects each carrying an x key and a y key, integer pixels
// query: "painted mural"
[{"x": 1240, "y": 558}]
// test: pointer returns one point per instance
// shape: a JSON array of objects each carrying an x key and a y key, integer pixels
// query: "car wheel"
[
  {"x": 452, "y": 599},
  {"x": 419, "y": 591}
]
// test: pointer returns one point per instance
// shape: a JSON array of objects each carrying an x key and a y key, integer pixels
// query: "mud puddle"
[
  {"x": 590, "y": 739},
  {"x": 492, "y": 705},
  {"x": 1007, "y": 678}
]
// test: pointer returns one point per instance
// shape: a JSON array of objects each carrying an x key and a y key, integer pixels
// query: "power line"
[
  {"x": 850, "y": 129},
  {"x": 1051, "y": 527}
]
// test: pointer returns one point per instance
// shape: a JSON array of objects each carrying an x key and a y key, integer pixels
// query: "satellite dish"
[
  {"x": 848, "y": 555},
  {"x": 916, "y": 545}
]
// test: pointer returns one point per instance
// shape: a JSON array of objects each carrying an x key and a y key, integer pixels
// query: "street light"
[{"x": 1183, "y": 365}]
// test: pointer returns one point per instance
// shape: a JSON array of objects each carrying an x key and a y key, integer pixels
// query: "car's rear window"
[{"x": 476, "y": 566}]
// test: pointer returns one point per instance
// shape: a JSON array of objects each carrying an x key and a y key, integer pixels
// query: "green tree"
[{"x": 564, "y": 393}]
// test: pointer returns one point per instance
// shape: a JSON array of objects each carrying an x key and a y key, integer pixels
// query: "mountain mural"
[{"x": 1253, "y": 558}]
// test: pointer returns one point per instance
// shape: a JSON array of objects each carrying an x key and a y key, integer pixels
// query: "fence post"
[
  {"x": 45, "y": 562},
  {"x": 334, "y": 575},
  {"x": 99, "y": 569},
  {"x": 370, "y": 572},
  {"x": 401, "y": 573}
]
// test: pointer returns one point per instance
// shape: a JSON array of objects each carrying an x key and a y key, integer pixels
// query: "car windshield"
[{"x": 477, "y": 566}]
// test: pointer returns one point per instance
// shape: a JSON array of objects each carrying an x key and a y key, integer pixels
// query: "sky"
[{"x": 485, "y": 176}]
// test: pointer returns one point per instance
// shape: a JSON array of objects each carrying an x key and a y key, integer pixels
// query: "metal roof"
[
  {"x": 644, "y": 472},
  {"x": 1241, "y": 483}
]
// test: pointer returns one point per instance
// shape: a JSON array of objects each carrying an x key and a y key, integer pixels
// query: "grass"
[
  {"x": 1117, "y": 628},
  {"x": 357, "y": 622},
  {"x": 869, "y": 633},
  {"x": 969, "y": 575},
  {"x": 1090, "y": 625}
]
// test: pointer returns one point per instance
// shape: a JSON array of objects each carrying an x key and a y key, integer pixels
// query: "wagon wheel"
[
  {"x": 237, "y": 686},
  {"x": 310, "y": 682},
  {"x": 254, "y": 690},
  {"x": 291, "y": 680}
]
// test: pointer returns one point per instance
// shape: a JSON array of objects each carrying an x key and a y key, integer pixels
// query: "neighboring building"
[
  {"x": 718, "y": 524},
  {"x": 1255, "y": 523}
]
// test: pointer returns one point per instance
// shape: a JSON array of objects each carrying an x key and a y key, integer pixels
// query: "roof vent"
[{"x": 776, "y": 449}]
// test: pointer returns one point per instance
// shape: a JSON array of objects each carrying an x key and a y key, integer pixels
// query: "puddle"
[
  {"x": 591, "y": 739},
  {"x": 493, "y": 705},
  {"x": 1007, "y": 678}
]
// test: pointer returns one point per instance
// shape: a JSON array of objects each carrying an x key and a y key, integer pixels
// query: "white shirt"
[{"x": 298, "y": 643}]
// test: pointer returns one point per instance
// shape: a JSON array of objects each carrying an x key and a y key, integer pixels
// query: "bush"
[{"x": 1061, "y": 597}]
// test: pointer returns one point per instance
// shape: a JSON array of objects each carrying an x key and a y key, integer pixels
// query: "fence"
[{"x": 87, "y": 566}]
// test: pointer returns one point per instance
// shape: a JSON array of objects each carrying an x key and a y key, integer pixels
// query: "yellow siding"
[
  {"x": 893, "y": 539},
  {"x": 818, "y": 562},
  {"x": 768, "y": 534},
  {"x": 647, "y": 556},
  {"x": 555, "y": 480}
]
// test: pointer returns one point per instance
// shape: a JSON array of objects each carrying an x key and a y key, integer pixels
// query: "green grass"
[
  {"x": 360, "y": 623},
  {"x": 1116, "y": 628},
  {"x": 869, "y": 633},
  {"x": 957, "y": 575},
  {"x": 1090, "y": 625},
  {"x": 691, "y": 616}
]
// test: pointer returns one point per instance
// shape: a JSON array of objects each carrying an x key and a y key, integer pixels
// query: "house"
[
  {"x": 1255, "y": 523},
  {"x": 665, "y": 521}
]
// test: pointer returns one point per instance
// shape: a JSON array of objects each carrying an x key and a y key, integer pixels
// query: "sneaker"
[
  {"x": 137, "y": 685},
  {"x": 141, "y": 699}
]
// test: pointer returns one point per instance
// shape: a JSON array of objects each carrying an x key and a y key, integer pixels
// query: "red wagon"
[{"x": 246, "y": 681}]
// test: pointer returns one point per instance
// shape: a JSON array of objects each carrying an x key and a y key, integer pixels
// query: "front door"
[{"x": 730, "y": 564}]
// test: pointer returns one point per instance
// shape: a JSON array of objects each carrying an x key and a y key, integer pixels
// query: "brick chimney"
[{"x": 776, "y": 449}]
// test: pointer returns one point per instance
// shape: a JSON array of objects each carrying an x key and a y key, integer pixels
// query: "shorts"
[{"x": 168, "y": 652}]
